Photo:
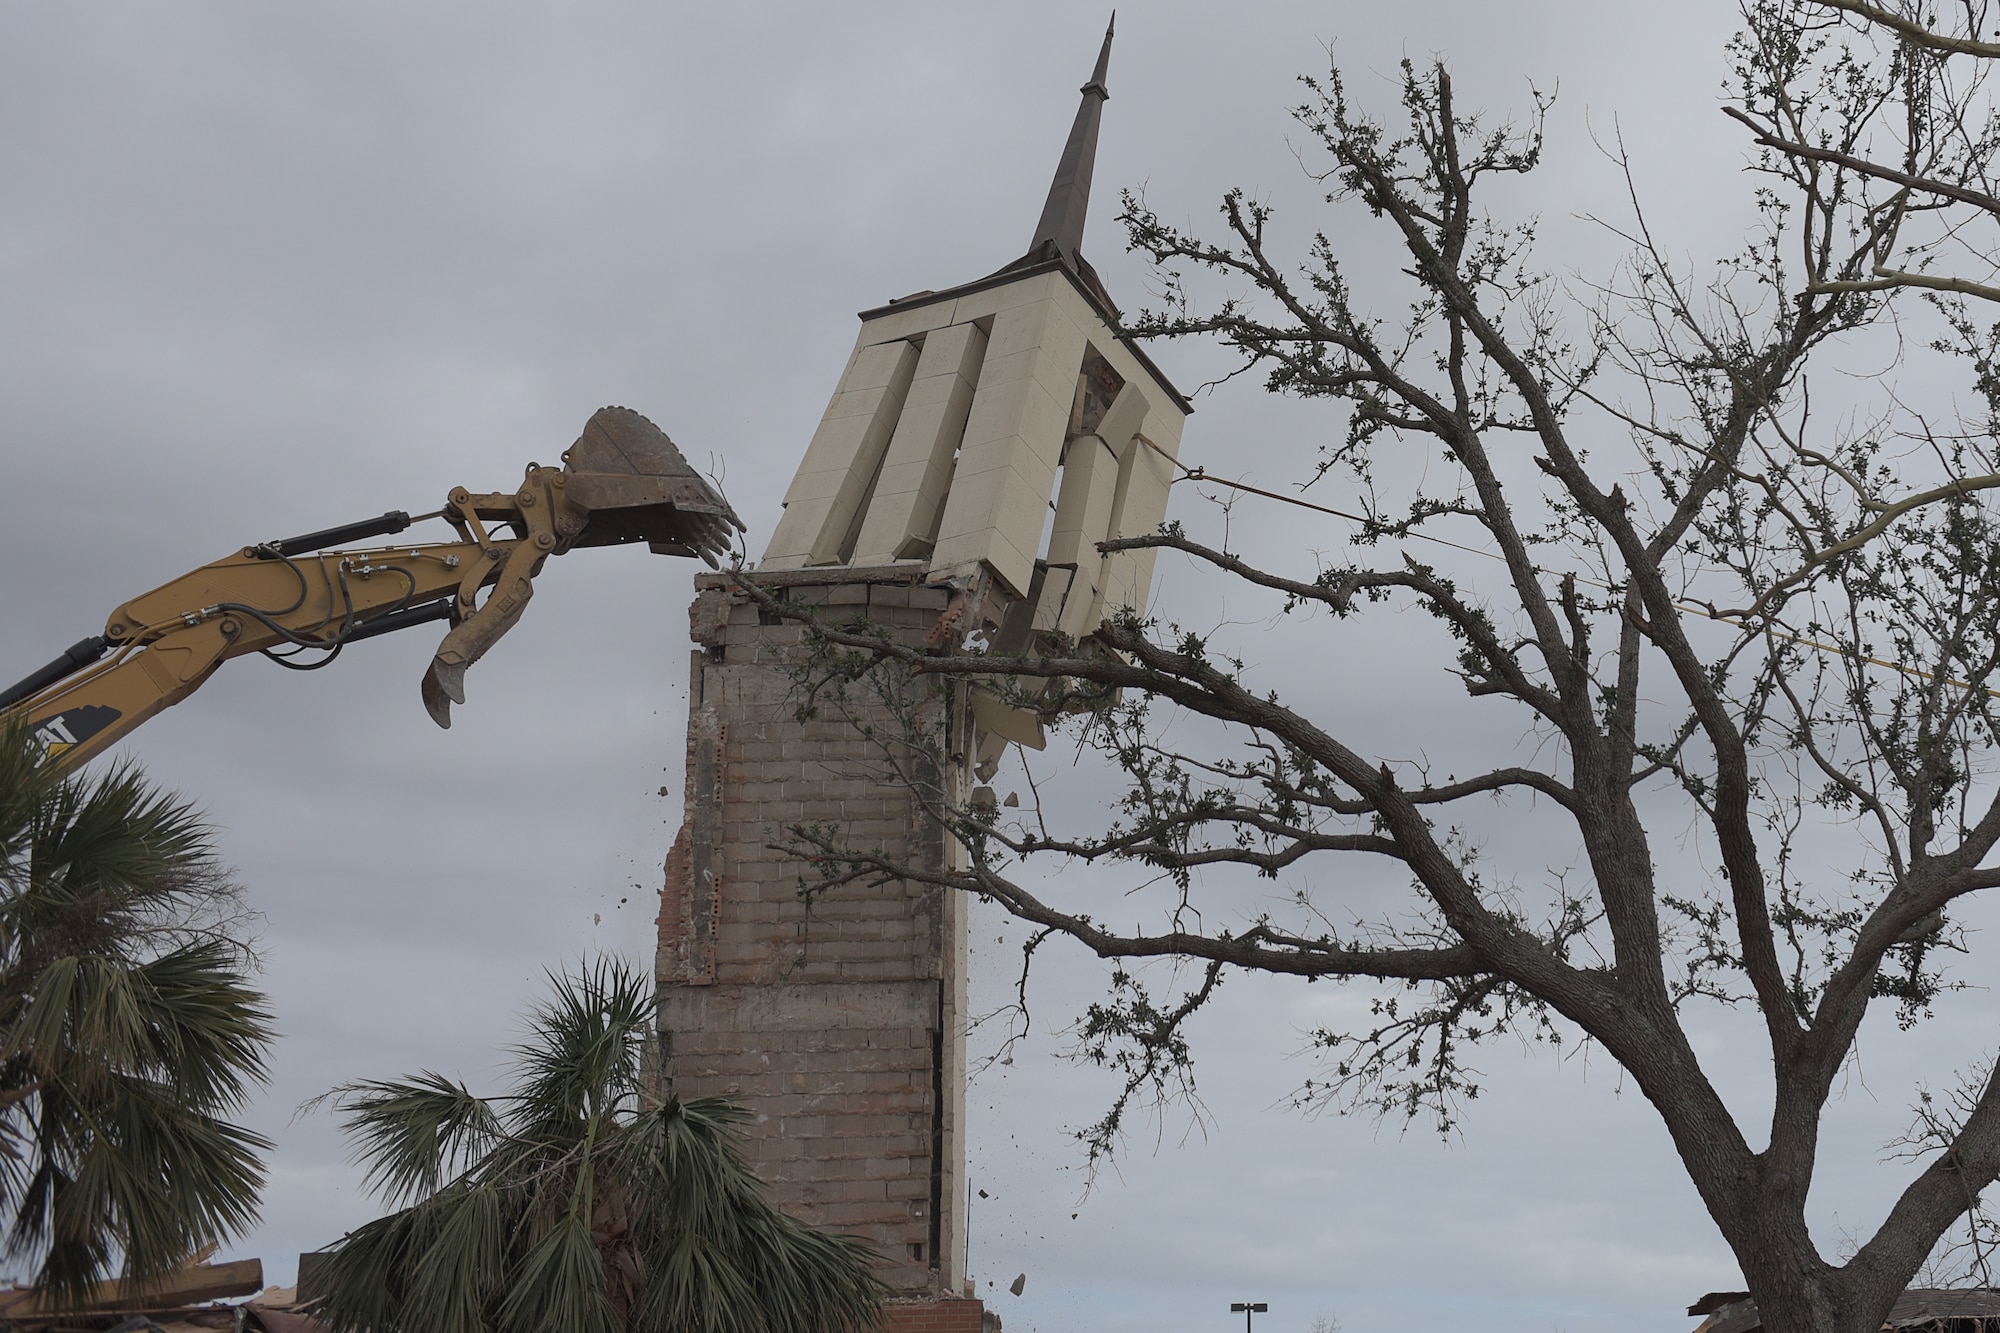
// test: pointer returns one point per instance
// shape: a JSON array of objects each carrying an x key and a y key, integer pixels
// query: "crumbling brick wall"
[
  {"x": 839, "y": 1022},
  {"x": 963, "y": 1315}
]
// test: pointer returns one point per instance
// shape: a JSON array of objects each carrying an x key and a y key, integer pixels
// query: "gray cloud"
[{"x": 271, "y": 268}]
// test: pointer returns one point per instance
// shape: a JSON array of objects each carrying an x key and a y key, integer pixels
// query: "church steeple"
[
  {"x": 983, "y": 444},
  {"x": 964, "y": 413},
  {"x": 1060, "y": 231}
]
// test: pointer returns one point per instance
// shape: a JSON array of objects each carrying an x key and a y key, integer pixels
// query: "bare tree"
[
  {"x": 1714, "y": 606},
  {"x": 1915, "y": 154}
]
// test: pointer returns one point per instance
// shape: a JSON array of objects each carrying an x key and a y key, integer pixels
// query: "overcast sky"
[{"x": 268, "y": 268}]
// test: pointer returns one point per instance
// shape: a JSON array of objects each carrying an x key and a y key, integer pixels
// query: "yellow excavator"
[{"x": 299, "y": 602}]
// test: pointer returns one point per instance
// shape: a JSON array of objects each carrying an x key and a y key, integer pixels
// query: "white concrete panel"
[
  {"x": 980, "y": 305},
  {"x": 1041, "y": 326},
  {"x": 1014, "y": 427},
  {"x": 849, "y": 441},
  {"x": 1049, "y": 364},
  {"x": 896, "y": 324},
  {"x": 1003, "y": 518},
  {"x": 917, "y": 470},
  {"x": 969, "y": 450},
  {"x": 833, "y": 400},
  {"x": 811, "y": 494},
  {"x": 834, "y": 542},
  {"x": 1083, "y": 518},
  {"x": 1148, "y": 480},
  {"x": 1013, "y": 443},
  {"x": 968, "y": 516},
  {"x": 1123, "y": 419},
  {"x": 879, "y": 365},
  {"x": 1119, "y": 357},
  {"x": 1145, "y": 480},
  {"x": 997, "y": 409},
  {"x": 822, "y": 485},
  {"x": 998, "y": 370},
  {"x": 860, "y": 394},
  {"x": 1027, "y": 499},
  {"x": 1163, "y": 427}
]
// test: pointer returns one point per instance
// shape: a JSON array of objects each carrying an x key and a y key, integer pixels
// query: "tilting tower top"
[{"x": 996, "y": 431}]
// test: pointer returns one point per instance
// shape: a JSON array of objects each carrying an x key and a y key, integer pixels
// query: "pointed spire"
[
  {"x": 1103, "y": 60},
  {"x": 1060, "y": 232}
]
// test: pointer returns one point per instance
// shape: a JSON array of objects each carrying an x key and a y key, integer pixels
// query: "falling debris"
[{"x": 1018, "y": 1283}]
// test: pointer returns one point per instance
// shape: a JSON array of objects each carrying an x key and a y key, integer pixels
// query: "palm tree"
[
  {"x": 128, "y": 1028},
  {"x": 579, "y": 1201}
]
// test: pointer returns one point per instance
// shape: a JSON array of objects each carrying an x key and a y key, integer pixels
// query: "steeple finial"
[
  {"x": 1061, "y": 227},
  {"x": 1103, "y": 58}
]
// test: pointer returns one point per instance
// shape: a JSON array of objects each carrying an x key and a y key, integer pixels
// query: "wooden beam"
[{"x": 187, "y": 1286}]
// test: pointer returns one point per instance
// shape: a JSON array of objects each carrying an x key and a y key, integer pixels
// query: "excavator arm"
[{"x": 300, "y": 603}]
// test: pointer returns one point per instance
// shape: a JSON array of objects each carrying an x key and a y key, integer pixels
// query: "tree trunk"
[{"x": 1796, "y": 1290}]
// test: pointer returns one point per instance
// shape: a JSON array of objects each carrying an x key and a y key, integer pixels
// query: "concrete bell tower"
[
  {"x": 981, "y": 441},
  {"x": 1000, "y": 428}
]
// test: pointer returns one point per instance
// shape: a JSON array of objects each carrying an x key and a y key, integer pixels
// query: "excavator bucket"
[
  {"x": 636, "y": 487},
  {"x": 631, "y": 485}
]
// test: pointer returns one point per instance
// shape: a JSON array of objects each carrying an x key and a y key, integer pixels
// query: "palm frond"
[
  {"x": 117, "y": 830},
  {"x": 126, "y": 1170},
  {"x": 207, "y": 1024},
  {"x": 436, "y": 1266},
  {"x": 558, "y": 1283},
  {"x": 726, "y": 1248},
  {"x": 128, "y": 1028},
  {"x": 461, "y": 1263},
  {"x": 25, "y": 785},
  {"x": 412, "y": 1133},
  {"x": 587, "y": 1204},
  {"x": 582, "y": 1055}
]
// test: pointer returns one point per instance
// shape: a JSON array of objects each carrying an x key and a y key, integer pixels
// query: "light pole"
[{"x": 1247, "y": 1308}]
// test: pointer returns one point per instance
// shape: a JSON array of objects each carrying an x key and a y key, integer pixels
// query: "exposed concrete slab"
[
  {"x": 833, "y": 480},
  {"x": 916, "y": 473}
]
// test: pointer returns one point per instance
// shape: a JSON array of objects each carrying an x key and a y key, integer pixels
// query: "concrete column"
[
  {"x": 1091, "y": 481},
  {"x": 833, "y": 480},
  {"x": 999, "y": 498},
  {"x": 902, "y": 517},
  {"x": 1145, "y": 476}
]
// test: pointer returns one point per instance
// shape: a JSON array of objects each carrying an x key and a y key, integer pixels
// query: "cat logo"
[{"x": 71, "y": 728}]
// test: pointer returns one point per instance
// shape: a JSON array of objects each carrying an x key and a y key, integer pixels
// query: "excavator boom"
[{"x": 299, "y": 603}]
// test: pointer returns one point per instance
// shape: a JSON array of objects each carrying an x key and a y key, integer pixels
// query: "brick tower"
[{"x": 981, "y": 441}]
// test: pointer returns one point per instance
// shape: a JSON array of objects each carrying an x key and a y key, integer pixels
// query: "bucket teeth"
[{"x": 635, "y": 486}]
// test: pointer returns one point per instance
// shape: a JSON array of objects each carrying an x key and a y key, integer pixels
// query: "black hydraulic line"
[
  {"x": 80, "y": 655},
  {"x": 387, "y": 623},
  {"x": 392, "y": 522},
  {"x": 285, "y": 659},
  {"x": 303, "y": 639},
  {"x": 391, "y": 621}
]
